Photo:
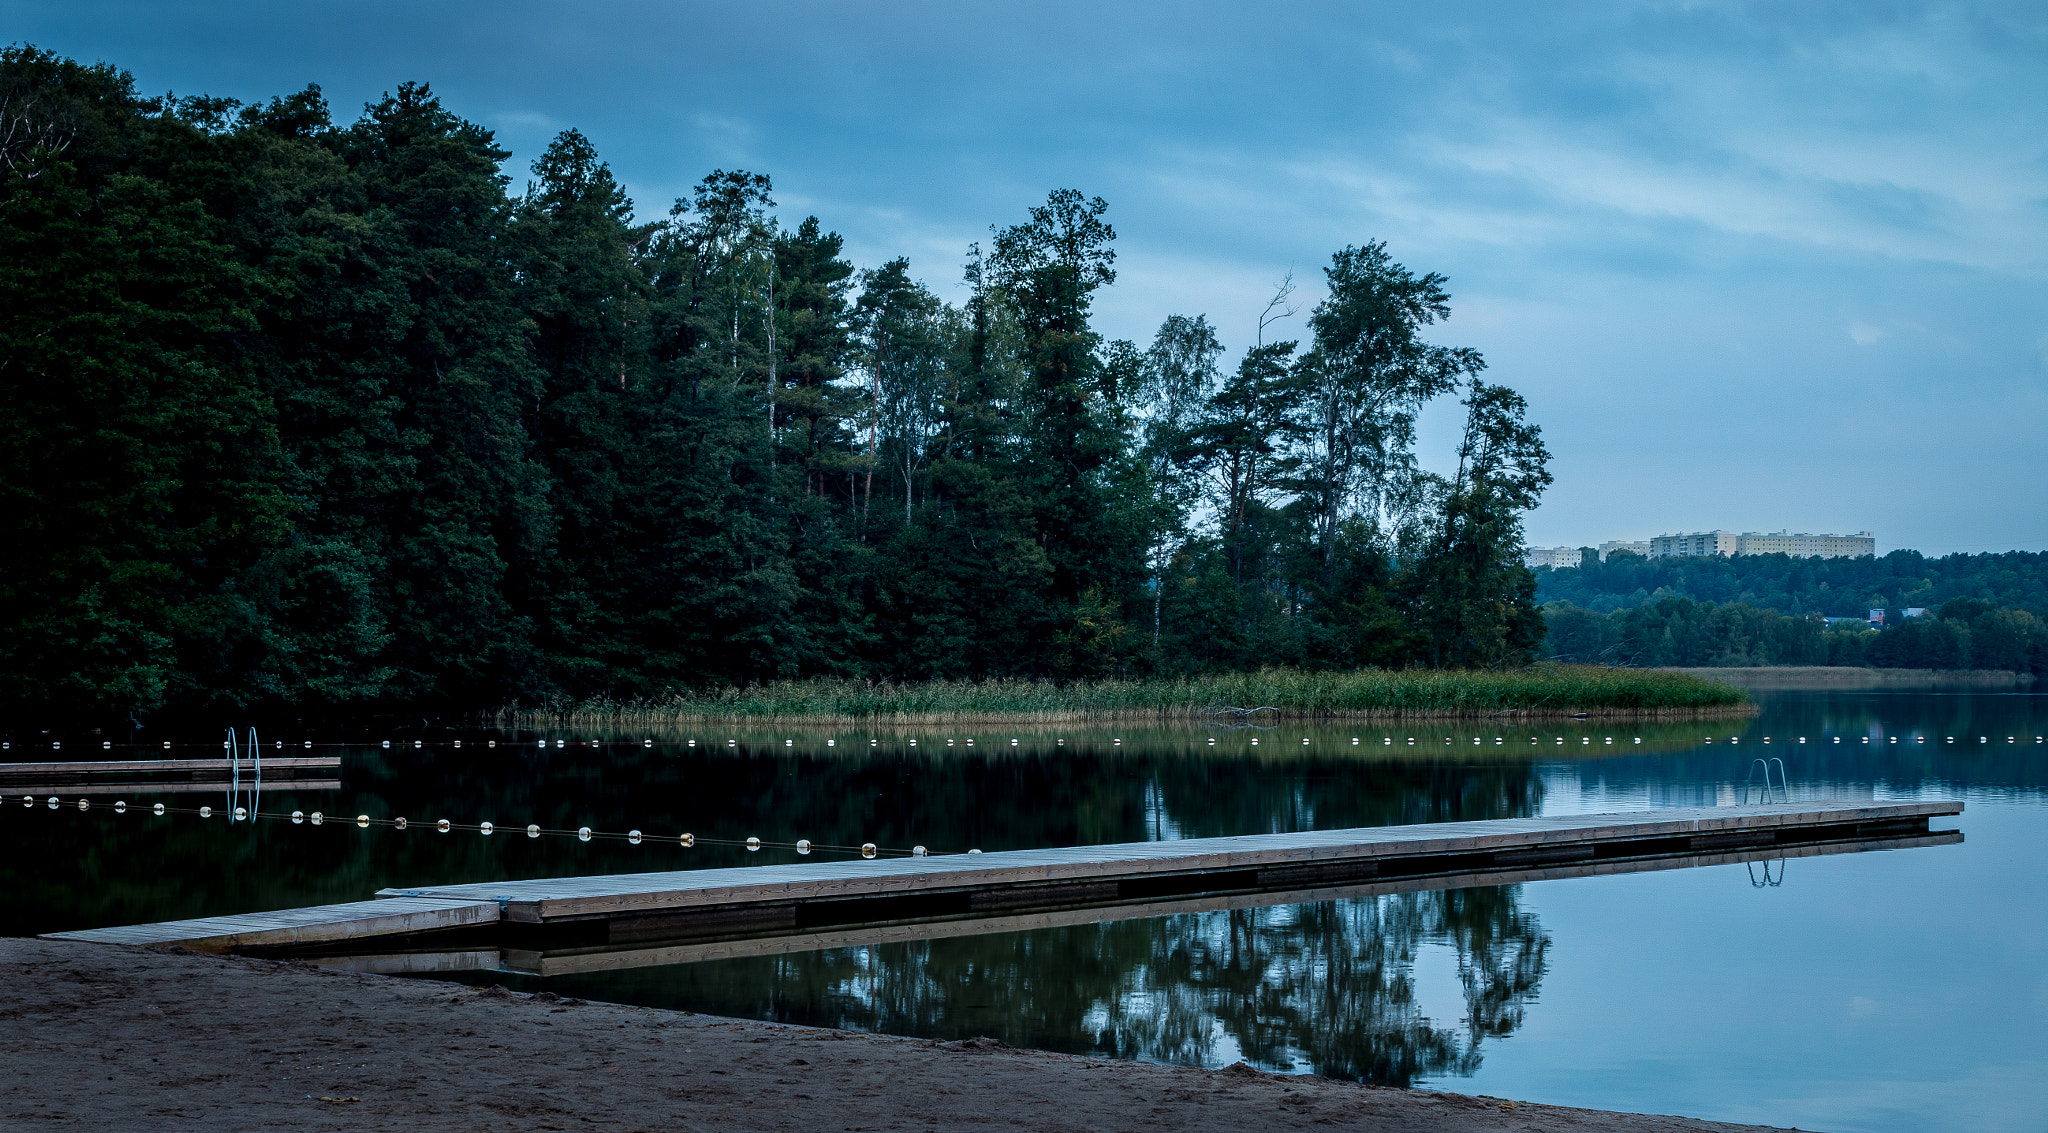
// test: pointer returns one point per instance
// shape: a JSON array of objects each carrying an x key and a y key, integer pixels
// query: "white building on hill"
[
  {"x": 1800, "y": 545},
  {"x": 1534, "y": 557}
]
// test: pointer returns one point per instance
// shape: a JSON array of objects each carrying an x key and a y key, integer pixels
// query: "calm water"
[{"x": 1891, "y": 991}]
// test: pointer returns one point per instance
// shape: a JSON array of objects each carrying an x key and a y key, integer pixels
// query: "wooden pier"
[
  {"x": 167, "y": 776},
  {"x": 1137, "y": 879},
  {"x": 320, "y": 924}
]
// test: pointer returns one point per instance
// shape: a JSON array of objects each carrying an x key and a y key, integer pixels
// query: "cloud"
[{"x": 1863, "y": 334}]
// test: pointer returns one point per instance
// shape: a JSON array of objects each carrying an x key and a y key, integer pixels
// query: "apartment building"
[
  {"x": 1534, "y": 557},
  {"x": 1695, "y": 544},
  {"x": 1639, "y": 546},
  {"x": 1800, "y": 545}
]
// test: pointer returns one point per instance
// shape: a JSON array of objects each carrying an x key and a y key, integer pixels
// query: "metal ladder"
[
  {"x": 255, "y": 793},
  {"x": 1764, "y": 795}
]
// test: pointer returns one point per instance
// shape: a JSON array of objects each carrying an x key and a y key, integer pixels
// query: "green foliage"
[
  {"x": 1841, "y": 588},
  {"x": 312, "y": 416},
  {"x": 1963, "y": 634},
  {"x": 1282, "y": 693}
]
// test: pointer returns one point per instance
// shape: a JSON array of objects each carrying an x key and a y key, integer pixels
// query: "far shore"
[
  {"x": 118, "y": 1038},
  {"x": 1850, "y": 676}
]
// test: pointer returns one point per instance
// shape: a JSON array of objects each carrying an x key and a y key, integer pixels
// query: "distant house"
[{"x": 1639, "y": 546}]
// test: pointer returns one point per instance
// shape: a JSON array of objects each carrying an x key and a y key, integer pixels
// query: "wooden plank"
[
  {"x": 315, "y": 925},
  {"x": 566, "y": 962},
  {"x": 609, "y": 895},
  {"x": 167, "y": 787},
  {"x": 146, "y": 765}
]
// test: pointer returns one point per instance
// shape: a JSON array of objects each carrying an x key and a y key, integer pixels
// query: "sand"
[{"x": 117, "y": 1038}]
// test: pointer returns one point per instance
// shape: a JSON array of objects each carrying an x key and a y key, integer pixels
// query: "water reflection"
[
  {"x": 1339, "y": 987},
  {"x": 1328, "y": 986}
]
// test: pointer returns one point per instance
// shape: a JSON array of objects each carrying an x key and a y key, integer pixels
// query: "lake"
[{"x": 1882, "y": 991}]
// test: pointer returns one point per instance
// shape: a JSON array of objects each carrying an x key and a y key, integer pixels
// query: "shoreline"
[
  {"x": 1855, "y": 676},
  {"x": 124, "y": 1038},
  {"x": 660, "y": 719},
  {"x": 1545, "y": 691}
]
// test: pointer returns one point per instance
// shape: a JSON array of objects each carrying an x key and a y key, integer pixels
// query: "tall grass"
[{"x": 1541, "y": 690}]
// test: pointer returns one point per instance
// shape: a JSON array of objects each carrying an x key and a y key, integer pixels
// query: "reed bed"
[{"x": 1270, "y": 694}]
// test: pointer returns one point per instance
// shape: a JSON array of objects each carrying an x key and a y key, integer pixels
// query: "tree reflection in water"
[{"x": 1328, "y": 987}]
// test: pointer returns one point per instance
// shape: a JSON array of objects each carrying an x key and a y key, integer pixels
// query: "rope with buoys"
[{"x": 445, "y": 826}]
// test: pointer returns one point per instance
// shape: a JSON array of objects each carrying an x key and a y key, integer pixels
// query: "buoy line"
[{"x": 445, "y": 826}]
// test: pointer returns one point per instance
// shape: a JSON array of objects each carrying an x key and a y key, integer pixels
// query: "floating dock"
[
  {"x": 320, "y": 924},
  {"x": 530, "y": 919},
  {"x": 168, "y": 776}
]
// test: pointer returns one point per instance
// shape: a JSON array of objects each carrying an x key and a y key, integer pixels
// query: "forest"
[
  {"x": 1985, "y": 611},
  {"x": 1840, "y": 588},
  {"x": 1963, "y": 633},
  {"x": 311, "y": 415}
]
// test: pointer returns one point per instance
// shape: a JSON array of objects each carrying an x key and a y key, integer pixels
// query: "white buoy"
[
  {"x": 583, "y": 834},
  {"x": 867, "y": 849},
  {"x": 363, "y": 820},
  {"x": 803, "y": 845},
  {"x": 241, "y": 813},
  {"x": 918, "y": 851},
  {"x": 157, "y": 809},
  {"x": 398, "y": 823},
  {"x": 443, "y": 825},
  {"x": 120, "y": 807},
  {"x": 298, "y": 816},
  {"x": 688, "y": 840},
  {"x": 646, "y": 743},
  {"x": 789, "y": 743},
  {"x": 204, "y": 812},
  {"x": 84, "y": 805},
  {"x": 416, "y": 743},
  {"x": 974, "y": 851},
  {"x": 633, "y": 836},
  {"x": 492, "y": 743},
  {"x": 485, "y": 829},
  {"x": 532, "y": 831},
  {"x": 387, "y": 743},
  {"x": 753, "y": 843}
]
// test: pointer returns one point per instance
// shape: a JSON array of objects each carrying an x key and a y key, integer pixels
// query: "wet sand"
[{"x": 111, "y": 1037}]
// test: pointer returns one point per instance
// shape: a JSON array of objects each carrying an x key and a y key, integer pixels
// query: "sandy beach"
[{"x": 126, "y": 1038}]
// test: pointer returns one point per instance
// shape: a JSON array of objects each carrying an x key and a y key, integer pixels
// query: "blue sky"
[{"x": 1754, "y": 265}]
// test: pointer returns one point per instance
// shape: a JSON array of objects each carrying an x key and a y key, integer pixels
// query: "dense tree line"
[
  {"x": 1841, "y": 588},
  {"x": 333, "y": 415},
  {"x": 1964, "y": 633}
]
